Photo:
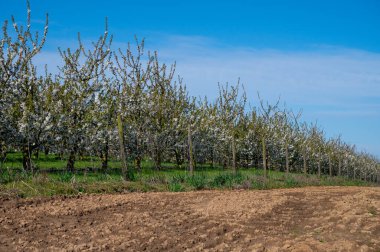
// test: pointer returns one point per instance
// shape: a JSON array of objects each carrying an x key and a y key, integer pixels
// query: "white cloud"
[{"x": 299, "y": 75}]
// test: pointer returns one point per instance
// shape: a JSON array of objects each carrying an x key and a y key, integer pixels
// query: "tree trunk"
[
  {"x": 212, "y": 158},
  {"x": 191, "y": 157},
  {"x": 234, "y": 168},
  {"x": 224, "y": 162},
  {"x": 3, "y": 153},
  {"x": 304, "y": 161},
  {"x": 287, "y": 158},
  {"x": 26, "y": 159},
  {"x": 104, "y": 161},
  {"x": 46, "y": 151},
  {"x": 178, "y": 158},
  {"x": 123, "y": 156},
  {"x": 71, "y": 160},
  {"x": 246, "y": 165},
  {"x": 138, "y": 163},
  {"x": 319, "y": 167},
  {"x": 138, "y": 158},
  {"x": 340, "y": 167},
  {"x": 105, "y": 157},
  {"x": 157, "y": 159},
  {"x": 3, "y": 156},
  {"x": 264, "y": 150},
  {"x": 330, "y": 166},
  {"x": 81, "y": 155}
]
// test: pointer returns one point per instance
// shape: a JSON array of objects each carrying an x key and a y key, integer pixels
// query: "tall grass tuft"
[
  {"x": 228, "y": 179},
  {"x": 197, "y": 181}
]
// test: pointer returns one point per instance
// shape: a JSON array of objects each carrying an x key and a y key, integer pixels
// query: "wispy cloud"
[{"x": 324, "y": 75}]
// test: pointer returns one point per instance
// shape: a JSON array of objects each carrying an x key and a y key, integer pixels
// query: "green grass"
[
  {"x": 51, "y": 161},
  {"x": 48, "y": 184},
  {"x": 16, "y": 183}
]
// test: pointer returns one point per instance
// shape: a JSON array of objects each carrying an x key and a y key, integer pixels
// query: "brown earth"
[{"x": 302, "y": 219}]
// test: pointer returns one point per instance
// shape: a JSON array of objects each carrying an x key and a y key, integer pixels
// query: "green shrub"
[
  {"x": 260, "y": 182},
  {"x": 176, "y": 187},
  {"x": 198, "y": 181},
  {"x": 291, "y": 182},
  {"x": 102, "y": 177},
  {"x": 65, "y": 177},
  {"x": 9, "y": 175},
  {"x": 178, "y": 178},
  {"x": 131, "y": 176},
  {"x": 228, "y": 179},
  {"x": 156, "y": 179}
]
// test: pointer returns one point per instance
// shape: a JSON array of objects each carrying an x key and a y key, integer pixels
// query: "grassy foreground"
[
  {"x": 22, "y": 185},
  {"x": 51, "y": 179}
]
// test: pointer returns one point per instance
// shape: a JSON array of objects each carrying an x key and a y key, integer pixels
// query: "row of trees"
[{"x": 129, "y": 105}]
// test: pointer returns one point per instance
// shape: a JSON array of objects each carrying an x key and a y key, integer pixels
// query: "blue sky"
[{"x": 321, "y": 56}]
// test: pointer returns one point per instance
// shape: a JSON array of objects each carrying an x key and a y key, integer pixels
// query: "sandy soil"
[{"x": 302, "y": 219}]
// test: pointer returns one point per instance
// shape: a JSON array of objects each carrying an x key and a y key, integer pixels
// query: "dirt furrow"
[{"x": 302, "y": 219}]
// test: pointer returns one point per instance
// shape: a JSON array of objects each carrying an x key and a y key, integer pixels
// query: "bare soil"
[{"x": 302, "y": 219}]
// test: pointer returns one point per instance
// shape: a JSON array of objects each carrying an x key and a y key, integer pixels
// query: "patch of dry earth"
[{"x": 302, "y": 219}]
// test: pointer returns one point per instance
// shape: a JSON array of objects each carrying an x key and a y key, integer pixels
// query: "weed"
[
  {"x": 260, "y": 182},
  {"x": 176, "y": 187},
  {"x": 198, "y": 181},
  {"x": 291, "y": 182},
  {"x": 131, "y": 176},
  {"x": 227, "y": 179},
  {"x": 65, "y": 177},
  {"x": 156, "y": 179},
  {"x": 178, "y": 178}
]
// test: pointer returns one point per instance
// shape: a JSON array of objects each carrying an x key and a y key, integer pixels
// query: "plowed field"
[{"x": 302, "y": 219}]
